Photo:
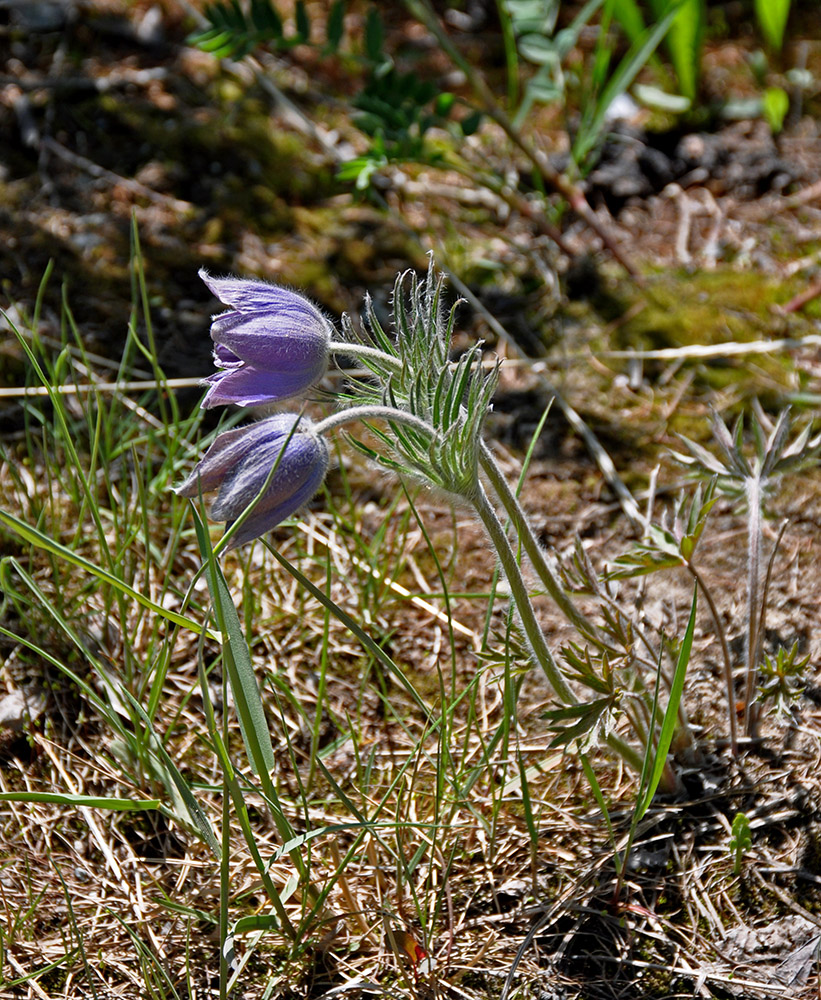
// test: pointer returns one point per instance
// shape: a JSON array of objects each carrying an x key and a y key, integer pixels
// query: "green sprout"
[{"x": 740, "y": 840}]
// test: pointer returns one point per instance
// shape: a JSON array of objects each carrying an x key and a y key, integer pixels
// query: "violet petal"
[
  {"x": 248, "y": 386},
  {"x": 250, "y": 294}
]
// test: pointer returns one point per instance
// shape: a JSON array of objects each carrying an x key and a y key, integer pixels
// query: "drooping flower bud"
[
  {"x": 271, "y": 344},
  {"x": 239, "y": 462}
]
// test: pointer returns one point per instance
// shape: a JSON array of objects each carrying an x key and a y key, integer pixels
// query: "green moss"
[
  {"x": 704, "y": 307},
  {"x": 231, "y": 160}
]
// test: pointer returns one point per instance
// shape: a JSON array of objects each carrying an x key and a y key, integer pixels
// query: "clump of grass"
[{"x": 375, "y": 796}]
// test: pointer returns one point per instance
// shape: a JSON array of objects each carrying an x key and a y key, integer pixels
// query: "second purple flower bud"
[{"x": 240, "y": 461}]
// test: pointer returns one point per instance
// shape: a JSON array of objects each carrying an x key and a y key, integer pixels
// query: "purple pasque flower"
[
  {"x": 239, "y": 462},
  {"x": 271, "y": 343}
]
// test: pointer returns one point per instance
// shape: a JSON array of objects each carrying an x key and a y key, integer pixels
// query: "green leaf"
[
  {"x": 539, "y": 50},
  {"x": 335, "y": 27},
  {"x": 684, "y": 44},
  {"x": 636, "y": 58},
  {"x": 629, "y": 16},
  {"x": 597, "y": 795},
  {"x": 588, "y": 716},
  {"x": 641, "y": 563},
  {"x": 444, "y": 103},
  {"x": 740, "y": 840},
  {"x": 774, "y": 105},
  {"x": 659, "y": 100},
  {"x": 374, "y": 36},
  {"x": 237, "y": 658},
  {"x": 772, "y": 19},
  {"x": 172, "y": 778},
  {"x": 567, "y": 38},
  {"x": 668, "y": 725},
  {"x": 303, "y": 24},
  {"x": 264, "y": 19},
  {"x": 701, "y": 456},
  {"x": 257, "y": 922},
  {"x": 577, "y": 711},
  {"x": 360, "y": 169},
  {"x": 532, "y": 15},
  {"x": 89, "y": 801},
  {"x": 542, "y": 91},
  {"x": 470, "y": 123},
  {"x": 235, "y": 33}
]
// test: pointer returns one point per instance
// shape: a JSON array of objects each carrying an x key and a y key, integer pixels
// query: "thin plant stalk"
[
  {"x": 752, "y": 486},
  {"x": 725, "y": 654},
  {"x": 498, "y": 535},
  {"x": 532, "y": 629},
  {"x": 225, "y": 880},
  {"x": 655, "y": 766}
]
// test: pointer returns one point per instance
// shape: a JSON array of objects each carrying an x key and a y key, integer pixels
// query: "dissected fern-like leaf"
[{"x": 235, "y": 29}]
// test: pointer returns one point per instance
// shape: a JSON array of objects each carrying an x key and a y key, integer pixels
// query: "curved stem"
[
  {"x": 520, "y": 596},
  {"x": 374, "y": 413},
  {"x": 534, "y": 550},
  {"x": 500, "y": 541}
]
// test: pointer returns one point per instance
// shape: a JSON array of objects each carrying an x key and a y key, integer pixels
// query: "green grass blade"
[
  {"x": 92, "y": 801},
  {"x": 174, "y": 781},
  {"x": 354, "y": 627},
  {"x": 595, "y": 788},
  {"x": 772, "y": 19},
  {"x": 511, "y": 54},
  {"x": 628, "y": 14},
  {"x": 684, "y": 43},
  {"x": 9, "y": 984},
  {"x": 240, "y": 669},
  {"x": 66, "y": 436},
  {"x": 636, "y": 57},
  {"x": 668, "y": 725},
  {"x": 240, "y": 808}
]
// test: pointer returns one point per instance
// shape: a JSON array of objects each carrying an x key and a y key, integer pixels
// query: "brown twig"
[{"x": 799, "y": 301}]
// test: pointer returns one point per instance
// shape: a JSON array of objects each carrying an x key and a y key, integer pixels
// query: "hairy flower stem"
[
  {"x": 374, "y": 413},
  {"x": 509, "y": 501},
  {"x": 364, "y": 351},
  {"x": 753, "y": 490},
  {"x": 532, "y": 629},
  {"x": 520, "y": 596},
  {"x": 536, "y": 554}
]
